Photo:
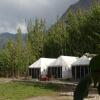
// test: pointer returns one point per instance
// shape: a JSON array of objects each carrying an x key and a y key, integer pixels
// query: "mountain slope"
[
  {"x": 4, "y": 37},
  {"x": 82, "y": 4}
]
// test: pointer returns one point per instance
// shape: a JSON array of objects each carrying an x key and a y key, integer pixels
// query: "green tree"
[
  {"x": 56, "y": 41},
  {"x": 19, "y": 53},
  {"x": 36, "y": 34},
  {"x": 4, "y": 67},
  {"x": 83, "y": 28},
  {"x": 10, "y": 55}
]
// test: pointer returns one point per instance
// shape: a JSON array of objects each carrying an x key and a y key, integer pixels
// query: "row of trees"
[{"x": 77, "y": 34}]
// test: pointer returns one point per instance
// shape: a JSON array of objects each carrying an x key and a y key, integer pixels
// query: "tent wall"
[
  {"x": 41, "y": 63},
  {"x": 55, "y": 72},
  {"x": 66, "y": 73},
  {"x": 79, "y": 72},
  {"x": 36, "y": 72},
  {"x": 60, "y": 72},
  {"x": 60, "y": 67},
  {"x": 43, "y": 71},
  {"x": 65, "y": 62}
]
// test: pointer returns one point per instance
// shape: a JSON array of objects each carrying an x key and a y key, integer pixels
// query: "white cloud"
[
  {"x": 14, "y": 12},
  {"x": 22, "y": 26}
]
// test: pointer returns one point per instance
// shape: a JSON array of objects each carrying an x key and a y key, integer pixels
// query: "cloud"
[
  {"x": 14, "y": 12},
  {"x": 22, "y": 26}
]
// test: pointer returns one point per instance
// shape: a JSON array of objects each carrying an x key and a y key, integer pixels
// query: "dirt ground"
[
  {"x": 68, "y": 96},
  {"x": 5, "y": 80},
  {"x": 60, "y": 98},
  {"x": 51, "y": 98}
]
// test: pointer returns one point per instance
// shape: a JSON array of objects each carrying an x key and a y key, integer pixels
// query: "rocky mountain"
[
  {"x": 4, "y": 37},
  {"x": 82, "y": 5}
]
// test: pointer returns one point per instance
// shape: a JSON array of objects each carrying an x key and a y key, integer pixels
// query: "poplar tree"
[
  {"x": 19, "y": 52},
  {"x": 36, "y": 33}
]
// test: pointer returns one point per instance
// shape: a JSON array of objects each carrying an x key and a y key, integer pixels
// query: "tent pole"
[
  {"x": 75, "y": 73},
  {"x": 51, "y": 71},
  {"x": 36, "y": 73},
  {"x": 31, "y": 72},
  {"x": 57, "y": 72},
  {"x": 84, "y": 70},
  {"x": 61, "y": 73},
  {"x": 80, "y": 72},
  {"x": 88, "y": 70}
]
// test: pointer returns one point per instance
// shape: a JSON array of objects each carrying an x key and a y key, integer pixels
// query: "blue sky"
[{"x": 14, "y": 12}]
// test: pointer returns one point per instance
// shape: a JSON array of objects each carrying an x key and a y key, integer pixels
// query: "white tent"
[
  {"x": 65, "y": 63},
  {"x": 82, "y": 61},
  {"x": 80, "y": 67},
  {"x": 42, "y": 63}
]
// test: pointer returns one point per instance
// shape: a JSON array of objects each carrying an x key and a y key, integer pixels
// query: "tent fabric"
[
  {"x": 42, "y": 62},
  {"x": 82, "y": 61},
  {"x": 64, "y": 61}
]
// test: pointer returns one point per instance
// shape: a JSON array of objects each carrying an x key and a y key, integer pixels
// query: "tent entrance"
[
  {"x": 35, "y": 72},
  {"x": 55, "y": 72}
]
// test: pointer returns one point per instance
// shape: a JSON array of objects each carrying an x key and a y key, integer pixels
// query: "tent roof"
[
  {"x": 42, "y": 62},
  {"x": 64, "y": 61},
  {"x": 82, "y": 61}
]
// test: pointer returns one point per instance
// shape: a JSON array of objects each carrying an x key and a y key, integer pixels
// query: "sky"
[{"x": 16, "y": 13}]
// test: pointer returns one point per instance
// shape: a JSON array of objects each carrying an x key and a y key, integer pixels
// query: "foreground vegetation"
[
  {"x": 82, "y": 89},
  {"x": 21, "y": 91}
]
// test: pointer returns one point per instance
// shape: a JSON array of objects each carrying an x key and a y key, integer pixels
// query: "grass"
[{"x": 21, "y": 91}]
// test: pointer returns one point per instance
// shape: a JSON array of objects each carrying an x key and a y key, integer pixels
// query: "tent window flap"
[
  {"x": 35, "y": 72},
  {"x": 55, "y": 72}
]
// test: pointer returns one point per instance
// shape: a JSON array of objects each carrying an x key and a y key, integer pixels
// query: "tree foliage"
[{"x": 83, "y": 28}]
